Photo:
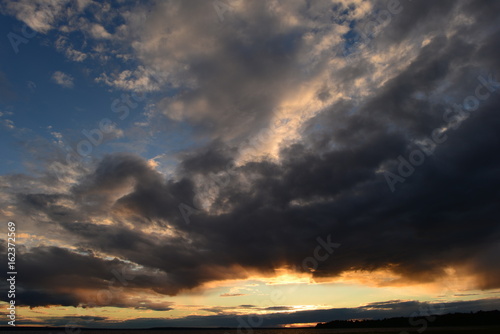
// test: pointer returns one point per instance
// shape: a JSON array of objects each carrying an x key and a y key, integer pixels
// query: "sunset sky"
[{"x": 249, "y": 163}]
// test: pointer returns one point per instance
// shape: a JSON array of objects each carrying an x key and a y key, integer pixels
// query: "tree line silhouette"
[{"x": 480, "y": 318}]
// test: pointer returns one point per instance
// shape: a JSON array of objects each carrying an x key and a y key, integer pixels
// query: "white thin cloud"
[
  {"x": 39, "y": 15},
  {"x": 63, "y": 46},
  {"x": 140, "y": 80},
  {"x": 63, "y": 79},
  {"x": 99, "y": 32}
]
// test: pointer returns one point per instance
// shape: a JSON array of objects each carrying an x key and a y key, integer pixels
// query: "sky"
[{"x": 249, "y": 163}]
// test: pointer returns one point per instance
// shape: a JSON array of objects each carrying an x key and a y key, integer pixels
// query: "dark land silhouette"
[{"x": 480, "y": 318}]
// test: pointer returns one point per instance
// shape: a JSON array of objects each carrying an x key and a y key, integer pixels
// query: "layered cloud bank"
[{"x": 369, "y": 125}]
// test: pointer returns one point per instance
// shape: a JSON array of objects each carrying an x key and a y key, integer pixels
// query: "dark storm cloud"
[
  {"x": 211, "y": 159},
  {"x": 67, "y": 323},
  {"x": 57, "y": 276},
  {"x": 151, "y": 196},
  {"x": 33, "y": 298},
  {"x": 329, "y": 184},
  {"x": 49, "y": 272},
  {"x": 417, "y": 231}
]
